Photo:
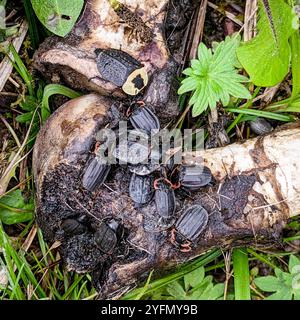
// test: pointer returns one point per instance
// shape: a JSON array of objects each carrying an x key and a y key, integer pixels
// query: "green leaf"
[
  {"x": 294, "y": 263},
  {"x": 295, "y": 45},
  {"x": 194, "y": 278},
  {"x": 266, "y": 58},
  {"x": 52, "y": 89},
  {"x": 283, "y": 294},
  {"x": 176, "y": 290},
  {"x": 58, "y": 16},
  {"x": 213, "y": 78},
  {"x": 25, "y": 118},
  {"x": 13, "y": 208},
  {"x": 268, "y": 283}
]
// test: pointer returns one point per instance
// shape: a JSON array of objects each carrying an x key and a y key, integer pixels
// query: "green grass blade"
[
  {"x": 32, "y": 23},
  {"x": 21, "y": 69},
  {"x": 295, "y": 45},
  {"x": 241, "y": 275},
  {"x": 264, "y": 114},
  {"x": 52, "y": 89}
]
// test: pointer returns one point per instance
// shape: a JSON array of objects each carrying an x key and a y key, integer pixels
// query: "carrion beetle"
[
  {"x": 106, "y": 236},
  {"x": 143, "y": 118},
  {"x": 73, "y": 227},
  {"x": 95, "y": 173},
  {"x": 194, "y": 177},
  {"x": 121, "y": 69},
  {"x": 260, "y": 126},
  {"x": 140, "y": 188},
  {"x": 164, "y": 198},
  {"x": 189, "y": 227}
]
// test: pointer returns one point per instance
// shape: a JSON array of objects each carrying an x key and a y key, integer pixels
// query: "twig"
[
  {"x": 250, "y": 19},
  {"x": 6, "y": 65},
  {"x": 14, "y": 82},
  {"x": 11, "y": 130},
  {"x": 229, "y": 15},
  {"x": 27, "y": 243},
  {"x": 199, "y": 29}
]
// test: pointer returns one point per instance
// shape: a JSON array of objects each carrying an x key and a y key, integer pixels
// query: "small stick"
[
  {"x": 229, "y": 15},
  {"x": 199, "y": 29}
]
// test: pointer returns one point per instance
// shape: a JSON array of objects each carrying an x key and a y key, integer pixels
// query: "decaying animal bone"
[
  {"x": 256, "y": 190},
  {"x": 143, "y": 30}
]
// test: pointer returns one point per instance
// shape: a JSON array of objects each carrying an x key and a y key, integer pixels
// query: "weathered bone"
[
  {"x": 73, "y": 58},
  {"x": 256, "y": 191}
]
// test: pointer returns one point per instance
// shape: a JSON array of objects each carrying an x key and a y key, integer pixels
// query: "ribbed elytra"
[
  {"x": 140, "y": 189},
  {"x": 73, "y": 227},
  {"x": 144, "y": 119},
  {"x": 192, "y": 222},
  {"x": 165, "y": 200},
  {"x": 106, "y": 238},
  {"x": 95, "y": 174},
  {"x": 121, "y": 69},
  {"x": 194, "y": 177}
]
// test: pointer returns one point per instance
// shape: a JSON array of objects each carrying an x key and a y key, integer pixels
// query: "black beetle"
[
  {"x": 140, "y": 189},
  {"x": 95, "y": 174},
  {"x": 164, "y": 198},
  {"x": 260, "y": 126},
  {"x": 194, "y": 177},
  {"x": 188, "y": 227},
  {"x": 143, "y": 118},
  {"x": 122, "y": 70},
  {"x": 106, "y": 236},
  {"x": 73, "y": 227}
]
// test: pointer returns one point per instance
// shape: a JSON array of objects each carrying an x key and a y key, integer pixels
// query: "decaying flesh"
[
  {"x": 142, "y": 29},
  {"x": 256, "y": 190}
]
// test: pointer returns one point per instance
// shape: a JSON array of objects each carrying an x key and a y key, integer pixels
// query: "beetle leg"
[
  {"x": 186, "y": 247},
  {"x": 141, "y": 103},
  {"x": 97, "y": 146},
  {"x": 173, "y": 241},
  {"x": 128, "y": 112}
]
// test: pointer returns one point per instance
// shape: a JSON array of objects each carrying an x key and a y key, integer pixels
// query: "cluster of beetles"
[
  {"x": 151, "y": 181},
  {"x": 148, "y": 180}
]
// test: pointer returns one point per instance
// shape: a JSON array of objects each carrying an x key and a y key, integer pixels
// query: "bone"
[
  {"x": 73, "y": 58},
  {"x": 256, "y": 190}
]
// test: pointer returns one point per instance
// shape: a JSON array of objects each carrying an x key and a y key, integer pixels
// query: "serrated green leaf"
[
  {"x": 58, "y": 16},
  {"x": 213, "y": 77},
  {"x": 266, "y": 58},
  {"x": 188, "y": 84}
]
